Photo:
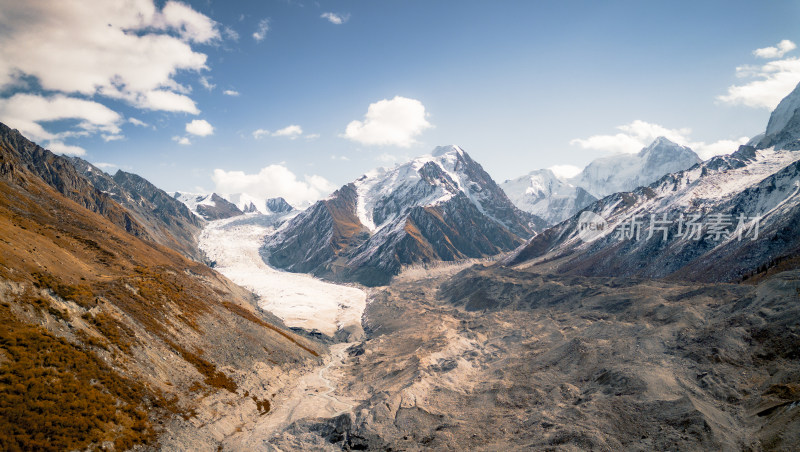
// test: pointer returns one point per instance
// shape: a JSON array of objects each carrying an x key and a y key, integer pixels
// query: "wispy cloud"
[
  {"x": 261, "y": 30},
  {"x": 291, "y": 131},
  {"x": 639, "y": 134},
  {"x": 230, "y": 92},
  {"x": 335, "y": 18},
  {"x": 770, "y": 82},
  {"x": 183, "y": 141},
  {"x": 778, "y": 51}
]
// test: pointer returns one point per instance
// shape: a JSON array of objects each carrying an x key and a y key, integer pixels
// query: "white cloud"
[
  {"x": 190, "y": 24},
  {"x": 230, "y": 33},
  {"x": 104, "y": 165},
  {"x": 259, "y": 133},
  {"x": 632, "y": 139},
  {"x": 112, "y": 137},
  {"x": 565, "y": 171},
  {"x": 778, "y": 51},
  {"x": 230, "y": 92},
  {"x": 293, "y": 131},
  {"x": 334, "y": 18},
  {"x": 272, "y": 181},
  {"x": 137, "y": 122},
  {"x": 206, "y": 83},
  {"x": 124, "y": 50},
  {"x": 639, "y": 134},
  {"x": 26, "y": 112},
  {"x": 183, "y": 141},
  {"x": 769, "y": 83},
  {"x": 312, "y": 136},
  {"x": 390, "y": 122},
  {"x": 261, "y": 30},
  {"x": 59, "y": 147},
  {"x": 339, "y": 157},
  {"x": 200, "y": 127}
]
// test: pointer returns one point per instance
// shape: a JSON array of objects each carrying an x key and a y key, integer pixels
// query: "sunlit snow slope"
[{"x": 300, "y": 300}]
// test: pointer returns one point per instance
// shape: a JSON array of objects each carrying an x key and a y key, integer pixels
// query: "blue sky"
[{"x": 264, "y": 96}]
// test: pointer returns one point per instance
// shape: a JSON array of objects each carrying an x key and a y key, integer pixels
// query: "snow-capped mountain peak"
[
  {"x": 625, "y": 172},
  {"x": 451, "y": 148}
]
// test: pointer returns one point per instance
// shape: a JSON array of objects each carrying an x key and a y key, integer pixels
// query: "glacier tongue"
[{"x": 299, "y": 300}]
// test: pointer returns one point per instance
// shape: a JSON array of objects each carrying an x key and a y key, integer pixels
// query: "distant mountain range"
[
  {"x": 721, "y": 220},
  {"x": 441, "y": 206},
  {"x": 556, "y": 199},
  {"x": 216, "y": 207}
]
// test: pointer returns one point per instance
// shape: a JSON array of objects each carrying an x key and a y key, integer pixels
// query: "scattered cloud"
[
  {"x": 565, "y": 171},
  {"x": 770, "y": 82},
  {"x": 632, "y": 139},
  {"x": 59, "y": 147},
  {"x": 122, "y": 50},
  {"x": 777, "y": 51},
  {"x": 130, "y": 51},
  {"x": 104, "y": 165},
  {"x": 261, "y": 30},
  {"x": 190, "y": 24},
  {"x": 339, "y": 157},
  {"x": 390, "y": 122},
  {"x": 312, "y": 136},
  {"x": 137, "y": 122},
  {"x": 260, "y": 133},
  {"x": 200, "y": 127},
  {"x": 112, "y": 137},
  {"x": 293, "y": 131},
  {"x": 206, "y": 83},
  {"x": 639, "y": 134},
  {"x": 335, "y": 18},
  {"x": 183, "y": 141},
  {"x": 27, "y": 112},
  {"x": 230, "y": 92},
  {"x": 230, "y": 33},
  {"x": 273, "y": 181}
]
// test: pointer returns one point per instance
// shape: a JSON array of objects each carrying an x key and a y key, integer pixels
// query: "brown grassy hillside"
[{"x": 108, "y": 338}]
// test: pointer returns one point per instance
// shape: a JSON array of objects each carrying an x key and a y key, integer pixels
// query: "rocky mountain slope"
[
  {"x": 167, "y": 221},
  {"x": 491, "y": 358},
  {"x": 717, "y": 221},
  {"x": 547, "y": 196},
  {"x": 110, "y": 339},
  {"x": 442, "y": 206}
]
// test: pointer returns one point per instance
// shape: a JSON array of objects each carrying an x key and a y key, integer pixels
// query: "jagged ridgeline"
[
  {"x": 442, "y": 206},
  {"x": 727, "y": 219},
  {"x": 110, "y": 334}
]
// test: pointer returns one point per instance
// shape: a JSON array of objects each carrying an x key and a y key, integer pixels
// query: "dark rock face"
[
  {"x": 472, "y": 218},
  {"x": 250, "y": 208},
  {"x": 314, "y": 239},
  {"x": 278, "y": 205},
  {"x": 221, "y": 209},
  {"x": 58, "y": 172},
  {"x": 167, "y": 221}
]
